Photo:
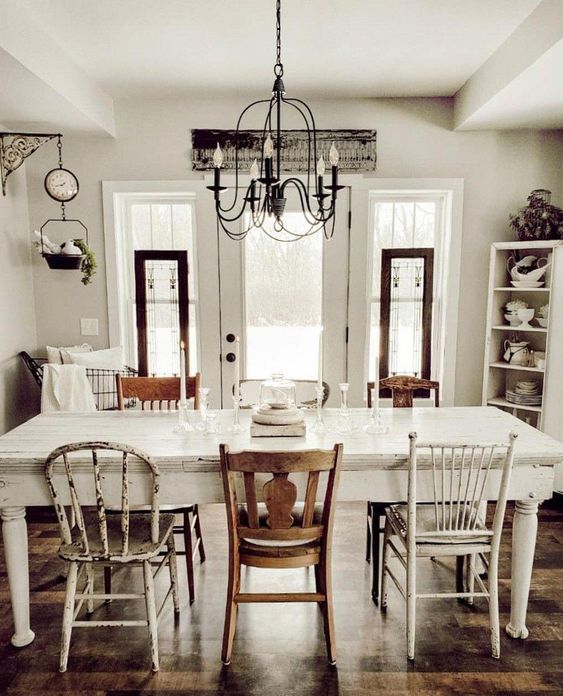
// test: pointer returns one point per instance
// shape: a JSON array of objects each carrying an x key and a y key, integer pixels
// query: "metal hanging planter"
[{"x": 62, "y": 261}]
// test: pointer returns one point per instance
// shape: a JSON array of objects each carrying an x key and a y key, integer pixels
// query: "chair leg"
[
  {"x": 317, "y": 577},
  {"x": 459, "y": 573},
  {"x": 368, "y": 532},
  {"x": 151, "y": 613},
  {"x": 375, "y": 527},
  {"x": 469, "y": 577},
  {"x": 231, "y": 611},
  {"x": 493, "y": 606},
  {"x": 173, "y": 568},
  {"x": 90, "y": 587},
  {"x": 384, "y": 561},
  {"x": 198, "y": 535},
  {"x": 411, "y": 604},
  {"x": 107, "y": 582},
  {"x": 188, "y": 546},
  {"x": 325, "y": 576},
  {"x": 68, "y": 613}
]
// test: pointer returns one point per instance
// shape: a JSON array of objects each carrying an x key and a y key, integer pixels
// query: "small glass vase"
[
  {"x": 235, "y": 427},
  {"x": 183, "y": 425},
  {"x": 375, "y": 425},
  {"x": 344, "y": 415},
  {"x": 203, "y": 408},
  {"x": 319, "y": 424}
]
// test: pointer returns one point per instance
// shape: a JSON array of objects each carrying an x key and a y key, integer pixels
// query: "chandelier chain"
[{"x": 278, "y": 68}]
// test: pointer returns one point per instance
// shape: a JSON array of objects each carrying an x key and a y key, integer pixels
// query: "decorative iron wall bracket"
[{"x": 16, "y": 147}]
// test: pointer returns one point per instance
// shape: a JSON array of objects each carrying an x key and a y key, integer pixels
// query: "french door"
[{"x": 276, "y": 295}]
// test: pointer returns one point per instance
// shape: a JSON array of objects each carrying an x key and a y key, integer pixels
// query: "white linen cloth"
[{"x": 66, "y": 388}]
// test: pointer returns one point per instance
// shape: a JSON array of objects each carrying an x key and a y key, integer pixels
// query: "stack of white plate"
[
  {"x": 527, "y": 283},
  {"x": 525, "y": 393}
]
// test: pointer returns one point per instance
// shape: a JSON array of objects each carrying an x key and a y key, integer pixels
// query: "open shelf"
[
  {"x": 500, "y": 401},
  {"x": 507, "y": 366},
  {"x": 513, "y": 289},
  {"x": 507, "y": 327}
]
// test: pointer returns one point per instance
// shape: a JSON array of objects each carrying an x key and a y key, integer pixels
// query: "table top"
[{"x": 26, "y": 447}]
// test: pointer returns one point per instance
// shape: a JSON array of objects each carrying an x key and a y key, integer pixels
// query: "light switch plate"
[{"x": 89, "y": 327}]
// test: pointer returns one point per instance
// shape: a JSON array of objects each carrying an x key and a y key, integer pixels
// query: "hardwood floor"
[{"x": 280, "y": 649}]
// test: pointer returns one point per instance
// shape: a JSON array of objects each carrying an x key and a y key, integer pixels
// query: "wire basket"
[{"x": 103, "y": 381}]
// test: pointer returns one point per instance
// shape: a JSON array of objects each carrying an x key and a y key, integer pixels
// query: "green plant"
[
  {"x": 88, "y": 265},
  {"x": 539, "y": 219}
]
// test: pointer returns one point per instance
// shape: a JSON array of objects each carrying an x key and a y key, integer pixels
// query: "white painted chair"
[
  {"x": 91, "y": 538},
  {"x": 450, "y": 525}
]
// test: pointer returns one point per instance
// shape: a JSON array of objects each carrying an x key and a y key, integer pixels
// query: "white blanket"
[{"x": 66, "y": 388}]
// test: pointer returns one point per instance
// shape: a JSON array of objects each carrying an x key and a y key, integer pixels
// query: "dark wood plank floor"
[{"x": 279, "y": 649}]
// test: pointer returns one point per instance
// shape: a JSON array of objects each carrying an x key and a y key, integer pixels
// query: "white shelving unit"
[{"x": 498, "y": 375}]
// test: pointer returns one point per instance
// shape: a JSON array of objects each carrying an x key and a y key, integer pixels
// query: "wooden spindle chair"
[
  {"x": 451, "y": 524},
  {"x": 403, "y": 389},
  {"x": 94, "y": 538},
  {"x": 158, "y": 393},
  {"x": 277, "y": 533}
]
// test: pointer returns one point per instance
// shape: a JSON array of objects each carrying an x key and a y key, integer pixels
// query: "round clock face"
[{"x": 61, "y": 184}]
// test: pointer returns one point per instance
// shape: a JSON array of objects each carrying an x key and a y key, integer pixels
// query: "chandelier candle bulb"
[
  {"x": 254, "y": 172},
  {"x": 183, "y": 399},
  {"x": 217, "y": 162}
]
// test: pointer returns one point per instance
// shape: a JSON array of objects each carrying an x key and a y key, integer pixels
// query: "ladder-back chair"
[
  {"x": 403, "y": 389},
  {"x": 451, "y": 524},
  {"x": 91, "y": 538},
  {"x": 278, "y": 533},
  {"x": 159, "y": 393}
]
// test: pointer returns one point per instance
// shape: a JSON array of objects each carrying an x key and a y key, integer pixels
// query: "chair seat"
[
  {"x": 140, "y": 545},
  {"x": 426, "y": 522}
]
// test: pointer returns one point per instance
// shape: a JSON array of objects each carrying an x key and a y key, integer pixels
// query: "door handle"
[{"x": 230, "y": 357}]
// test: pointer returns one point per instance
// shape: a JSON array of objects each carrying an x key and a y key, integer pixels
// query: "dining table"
[{"x": 374, "y": 468}]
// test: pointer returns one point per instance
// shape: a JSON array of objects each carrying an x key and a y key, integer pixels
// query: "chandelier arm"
[
  {"x": 313, "y": 229},
  {"x": 237, "y": 236},
  {"x": 304, "y": 198},
  {"x": 221, "y": 211},
  {"x": 294, "y": 101},
  {"x": 290, "y": 102}
]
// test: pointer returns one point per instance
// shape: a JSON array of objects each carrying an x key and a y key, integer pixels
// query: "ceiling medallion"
[{"x": 264, "y": 199}]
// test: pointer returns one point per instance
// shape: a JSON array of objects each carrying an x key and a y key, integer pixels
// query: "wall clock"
[{"x": 61, "y": 184}]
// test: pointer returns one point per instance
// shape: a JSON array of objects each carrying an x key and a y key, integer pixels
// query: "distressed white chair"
[
  {"x": 93, "y": 538},
  {"x": 451, "y": 524}
]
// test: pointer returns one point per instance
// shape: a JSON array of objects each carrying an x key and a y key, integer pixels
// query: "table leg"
[
  {"x": 523, "y": 548},
  {"x": 14, "y": 534}
]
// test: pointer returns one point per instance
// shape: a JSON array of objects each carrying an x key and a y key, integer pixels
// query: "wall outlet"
[{"x": 89, "y": 327}]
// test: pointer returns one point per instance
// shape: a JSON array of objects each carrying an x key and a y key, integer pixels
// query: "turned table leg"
[
  {"x": 14, "y": 534},
  {"x": 523, "y": 548}
]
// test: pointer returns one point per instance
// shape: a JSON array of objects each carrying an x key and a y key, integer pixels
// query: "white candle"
[
  {"x": 375, "y": 393},
  {"x": 237, "y": 367},
  {"x": 183, "y": 398},
  {"x": 320, "y": 367}
]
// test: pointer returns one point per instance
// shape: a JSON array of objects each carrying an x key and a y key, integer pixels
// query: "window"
[
  {"x": 158, "y": 223},
  {"x": 283, "y": 303},
  {"x": 408, "y": 221}
]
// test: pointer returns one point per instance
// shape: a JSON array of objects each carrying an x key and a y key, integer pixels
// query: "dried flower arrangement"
[{"x": 539, "y": 219}]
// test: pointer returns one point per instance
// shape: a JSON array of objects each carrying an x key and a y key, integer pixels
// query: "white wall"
[
  {"x": 415, "y": 140},
  {"x": 19, "y": 395}
]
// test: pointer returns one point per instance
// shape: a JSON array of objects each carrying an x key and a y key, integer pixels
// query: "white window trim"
[{"x": 117, "y": 197}]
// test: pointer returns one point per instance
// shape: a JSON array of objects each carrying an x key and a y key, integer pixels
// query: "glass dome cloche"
[{"x": 277, "y": 392}]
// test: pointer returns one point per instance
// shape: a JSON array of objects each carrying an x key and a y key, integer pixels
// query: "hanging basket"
[{"x": 67, "y": 262}]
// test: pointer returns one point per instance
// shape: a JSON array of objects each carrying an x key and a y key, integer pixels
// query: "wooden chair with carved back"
[
  {"x": 92, "y": 537},
  {"x": 158, "y": 393},
  {"x": 403, "y": 390},
  {"x": 277, "y": 533}
]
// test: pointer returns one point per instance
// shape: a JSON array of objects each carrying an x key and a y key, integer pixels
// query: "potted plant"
[
  {"x": 73, "y": 254},
  {"x": 539, "y": 219}
]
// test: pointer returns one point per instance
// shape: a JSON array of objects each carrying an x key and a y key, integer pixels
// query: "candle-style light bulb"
[
  {"x": 321, "y": 166},
  {"x": 217, "y": 156},
  {"x": 254, "y": 171},
  {"x": 333, "y": 155},
  {"x": 268, "y": 147}
]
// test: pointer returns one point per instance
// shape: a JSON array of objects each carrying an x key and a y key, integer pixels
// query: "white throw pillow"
[
  {"x": 57, "y": 356},
  {"x": 107, "y": 359}
]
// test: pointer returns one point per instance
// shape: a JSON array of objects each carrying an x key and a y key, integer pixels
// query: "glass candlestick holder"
[
  {"x": 319, "y": 424},
  {"x": 375, "y": 425},
  {"x": 203, "y": 408},
  {"x": 344, "y": 415},
  {"x": 235, "y": 427},
  {"x": 183, "y": 425}
]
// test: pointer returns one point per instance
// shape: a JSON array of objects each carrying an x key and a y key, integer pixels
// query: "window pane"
[
  {"x": 283, "y": 298},
  {"x": 405, "y": 321},
  {"x": 163, "y": 318},
  {"x": 161, "y": 218},
  {"x": 403, "y": 225},
  {"x": 373, "y": 339},
  {"x": 425, "y": 221},
  {"x": 141, "y": 226}
]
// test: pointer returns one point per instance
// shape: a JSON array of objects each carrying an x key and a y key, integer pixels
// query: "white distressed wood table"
[{"x": 374, "y": 468}]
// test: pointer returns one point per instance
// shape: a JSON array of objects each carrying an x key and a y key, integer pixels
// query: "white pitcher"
[{"x": 516, "y": 352}]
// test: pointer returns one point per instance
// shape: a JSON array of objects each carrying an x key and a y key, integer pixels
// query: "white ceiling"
[{"x": 331, "y": 48}]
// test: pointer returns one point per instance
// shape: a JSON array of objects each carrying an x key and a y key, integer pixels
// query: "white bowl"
[
  {"x": 526, "y": 316},
  {"x": 512, "y": 319},
  {"x": 542, "y": 321},
  {"x": 527, "y": 283}
]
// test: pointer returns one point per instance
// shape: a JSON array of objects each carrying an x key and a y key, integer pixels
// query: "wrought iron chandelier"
[{"x": 264, "y": 200}]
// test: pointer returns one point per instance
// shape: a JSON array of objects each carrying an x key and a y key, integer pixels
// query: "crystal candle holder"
[
  {"x": 203, "y": 408},
  {"x": 375, "y": 425},
  {"x": 183, "y": 425},
  {"x": 344, "y": 416},
  {"x": 319, "y": 424},
  {"x": 235, "y": 427}
]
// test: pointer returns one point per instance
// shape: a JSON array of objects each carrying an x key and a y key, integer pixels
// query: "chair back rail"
[
  {"x": 125, "y": 452},
  {"x": 279, "y": 493},
  {"x": 460, "y": 473},
  {"x": 156, "y": 393},
  {"x": 403, "y": 388}
]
